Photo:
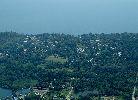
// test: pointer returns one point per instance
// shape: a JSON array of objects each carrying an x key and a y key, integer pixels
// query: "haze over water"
[{"x": 69, "y": 16}]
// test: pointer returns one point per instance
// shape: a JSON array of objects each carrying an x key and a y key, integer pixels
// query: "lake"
[{"x": 7, "y": 92}]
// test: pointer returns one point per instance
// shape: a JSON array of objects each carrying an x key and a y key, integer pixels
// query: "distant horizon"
[
  {"x": 66, "y": 33},
  {"x": 69, "y": 16}
]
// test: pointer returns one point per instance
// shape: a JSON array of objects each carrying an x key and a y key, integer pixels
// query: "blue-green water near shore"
[{"x": 7, "y": 92}]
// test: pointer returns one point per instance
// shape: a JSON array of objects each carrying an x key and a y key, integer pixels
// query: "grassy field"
[{"x": 57, "y": 59}]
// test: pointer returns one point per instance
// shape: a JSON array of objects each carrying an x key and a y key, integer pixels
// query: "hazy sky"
[{"x": 69, "y": 16}]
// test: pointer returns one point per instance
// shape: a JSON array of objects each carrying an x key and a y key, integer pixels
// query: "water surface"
[
  {"x": 69, "y": 16},
  {"x": 5, "y": 92}
]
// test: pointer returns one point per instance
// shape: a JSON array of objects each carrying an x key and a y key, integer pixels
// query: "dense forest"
[{"x": 100, "y": 64}]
